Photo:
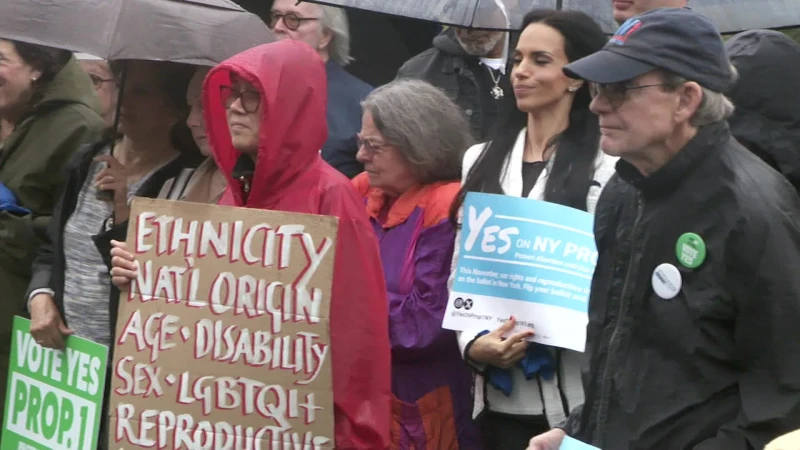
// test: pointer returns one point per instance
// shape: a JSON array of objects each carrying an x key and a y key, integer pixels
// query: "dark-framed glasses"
[
  {"x": 369, "y": 146},
  {"x": 617, "y": 93},
  {"x": 249, "y": 99},
  {"x": 291, "y": 21}
]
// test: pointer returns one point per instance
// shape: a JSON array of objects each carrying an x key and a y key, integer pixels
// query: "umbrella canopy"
[
  {"x": 480, "y": 14},
  {"x": 729, "y": 15},
  {"x": 199, "y": 32}
]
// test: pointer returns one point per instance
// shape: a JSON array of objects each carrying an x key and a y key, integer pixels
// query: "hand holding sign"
[
  {"x": 548, "y": 441},
  {"x": 47, "y": 327},
  {"x": 223, "y": 333},
  {"x": 123, "y": 266},
  {"x": 525, "y": 258},
  {"x": 498, "y": 351},
  {"x": 54, "y": 397}
]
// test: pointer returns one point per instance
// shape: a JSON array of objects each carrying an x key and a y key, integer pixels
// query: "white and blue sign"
[
  {"x": 527, "y": 258},
  {"x": 573, "y": 444}
]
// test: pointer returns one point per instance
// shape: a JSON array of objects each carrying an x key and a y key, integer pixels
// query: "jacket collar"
[{"x": 709, "y": 139}]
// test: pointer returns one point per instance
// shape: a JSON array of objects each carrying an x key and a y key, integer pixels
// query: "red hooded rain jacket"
[{"x": 291, "y": 176}]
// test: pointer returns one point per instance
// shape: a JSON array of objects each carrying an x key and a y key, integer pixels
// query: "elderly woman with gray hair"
[{"x": 411, "y": 142}]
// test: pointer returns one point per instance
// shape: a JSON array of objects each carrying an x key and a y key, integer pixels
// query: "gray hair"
[
  {"x": 335, "y": 20},
  {"x": 714, "y": 106},
  {"x": 426, "y": 126}
]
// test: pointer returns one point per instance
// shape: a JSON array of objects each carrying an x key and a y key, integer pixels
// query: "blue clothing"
[
  {"x": 345, "y": 94},
  {"x": 9, "y": 203},
  {"x": 538, "y": 360}
]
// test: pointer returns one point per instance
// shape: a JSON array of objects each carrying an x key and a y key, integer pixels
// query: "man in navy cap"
[{"x": 694, "y": 316}]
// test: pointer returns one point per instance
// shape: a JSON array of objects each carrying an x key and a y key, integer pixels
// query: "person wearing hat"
[{"x": 695, "y": 303}]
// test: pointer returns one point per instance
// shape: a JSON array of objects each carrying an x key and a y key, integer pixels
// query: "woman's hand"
[
  {"x": 47, "y": 327},
  {"x": 114, "y": 178},
  {"x": 495, "y": 350},
  {"x": 123, "y": 267},
  {"x": 548, "y": 441}
]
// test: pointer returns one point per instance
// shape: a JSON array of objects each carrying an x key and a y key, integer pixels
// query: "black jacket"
[
  {"x": 767, "y": 98},
  {"x": 462, "y": 77},
  {"x": 718, "y": 366},
  {"x": 49, "y": 264}
]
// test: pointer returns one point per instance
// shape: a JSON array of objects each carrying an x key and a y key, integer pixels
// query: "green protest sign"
[{"x": 54, "y": 397}]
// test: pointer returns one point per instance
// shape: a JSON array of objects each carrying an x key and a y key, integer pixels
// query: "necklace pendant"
[{"x": 497, "y": 92}]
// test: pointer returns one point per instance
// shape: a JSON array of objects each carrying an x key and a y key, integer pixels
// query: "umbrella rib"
[
  {"x": 113, "y": 30},
  {"x": 210, "y": 6},
  {"x": 475, "y": 12}
]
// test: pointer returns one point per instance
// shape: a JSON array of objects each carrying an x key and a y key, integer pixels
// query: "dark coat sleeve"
[
  {"x": 56, "y": 138},
  {"x": 764, "y": 272},
  {"x": 418, "y": 66},
  {"x": 45, "y": 259}
]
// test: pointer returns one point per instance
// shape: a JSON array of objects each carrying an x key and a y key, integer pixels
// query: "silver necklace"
[{"x": 497, "y": 91}]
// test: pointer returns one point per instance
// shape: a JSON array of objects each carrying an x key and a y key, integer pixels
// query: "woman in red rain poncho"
[{"x": 265, "y": 116}]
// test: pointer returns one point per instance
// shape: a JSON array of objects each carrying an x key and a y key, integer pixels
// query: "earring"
[
  {"x": 572, "y": 88},
  {"x": 33, "y": 79}
]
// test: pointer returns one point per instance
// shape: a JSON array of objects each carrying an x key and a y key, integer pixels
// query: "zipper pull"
[{"x": 245, "y": 181}]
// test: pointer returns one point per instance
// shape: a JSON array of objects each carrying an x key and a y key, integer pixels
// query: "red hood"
[{"x": 291, "y": 78}]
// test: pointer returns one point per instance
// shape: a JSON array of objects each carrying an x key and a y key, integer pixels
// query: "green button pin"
[{"x": 691, "y": 250}]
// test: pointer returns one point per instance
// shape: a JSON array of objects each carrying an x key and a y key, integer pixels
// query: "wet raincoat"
[
  {"x": 705, "y": 358},
  {"x": 291, "y": 176},
  {"x": 767, "y": 98},
  {"x": 432, "y": 386}
]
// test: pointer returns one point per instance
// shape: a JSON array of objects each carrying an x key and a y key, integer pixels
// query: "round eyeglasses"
[
  {"x": 291, "y": 21},
  {"x": 250, "y": 100}
]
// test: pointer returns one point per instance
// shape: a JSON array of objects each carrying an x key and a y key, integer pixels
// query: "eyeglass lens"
[
  {"x": 250, "y": 100},
  {"x": 290, "y": 21}
]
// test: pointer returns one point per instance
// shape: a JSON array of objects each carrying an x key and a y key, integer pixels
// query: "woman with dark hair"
[
  {"x": 544, "y": 147},
  {"x": 71, "y": 282},
  {"x": 48, "y": 109}
]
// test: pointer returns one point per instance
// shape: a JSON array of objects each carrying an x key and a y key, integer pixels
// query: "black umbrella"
[
  {"x": 480, "y": 14},
  {"x": 728, "y": 15},
  {"x": 199, "y": 32}
]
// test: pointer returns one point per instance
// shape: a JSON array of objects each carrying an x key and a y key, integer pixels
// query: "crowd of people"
[{"x": 663, "y": 131}]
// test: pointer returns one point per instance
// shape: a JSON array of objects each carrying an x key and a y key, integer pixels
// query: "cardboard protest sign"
[
  {"x": 55, "y": 397},
  {"x": 527, "y": 258},
  {"x": 223, "y": 341}
]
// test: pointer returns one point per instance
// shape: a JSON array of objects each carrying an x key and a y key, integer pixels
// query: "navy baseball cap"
[{"x": 674, "y": 39}]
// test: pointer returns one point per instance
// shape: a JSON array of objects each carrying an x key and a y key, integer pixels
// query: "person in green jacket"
[{"x": 49, "y": 110}]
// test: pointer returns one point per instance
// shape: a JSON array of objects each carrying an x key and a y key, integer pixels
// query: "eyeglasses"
[
  {"x": 617, "y": 93},
  {"x": 250, "y": 100},
  {"x": 369, "y": 146},
  {"x": 99, "y": 81},
  {"x": 291, "y": 21}
]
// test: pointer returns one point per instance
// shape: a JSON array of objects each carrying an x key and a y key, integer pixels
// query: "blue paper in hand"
[
  {"x": 8, "y": 202},
  {"x": 573, "y": 444}
]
